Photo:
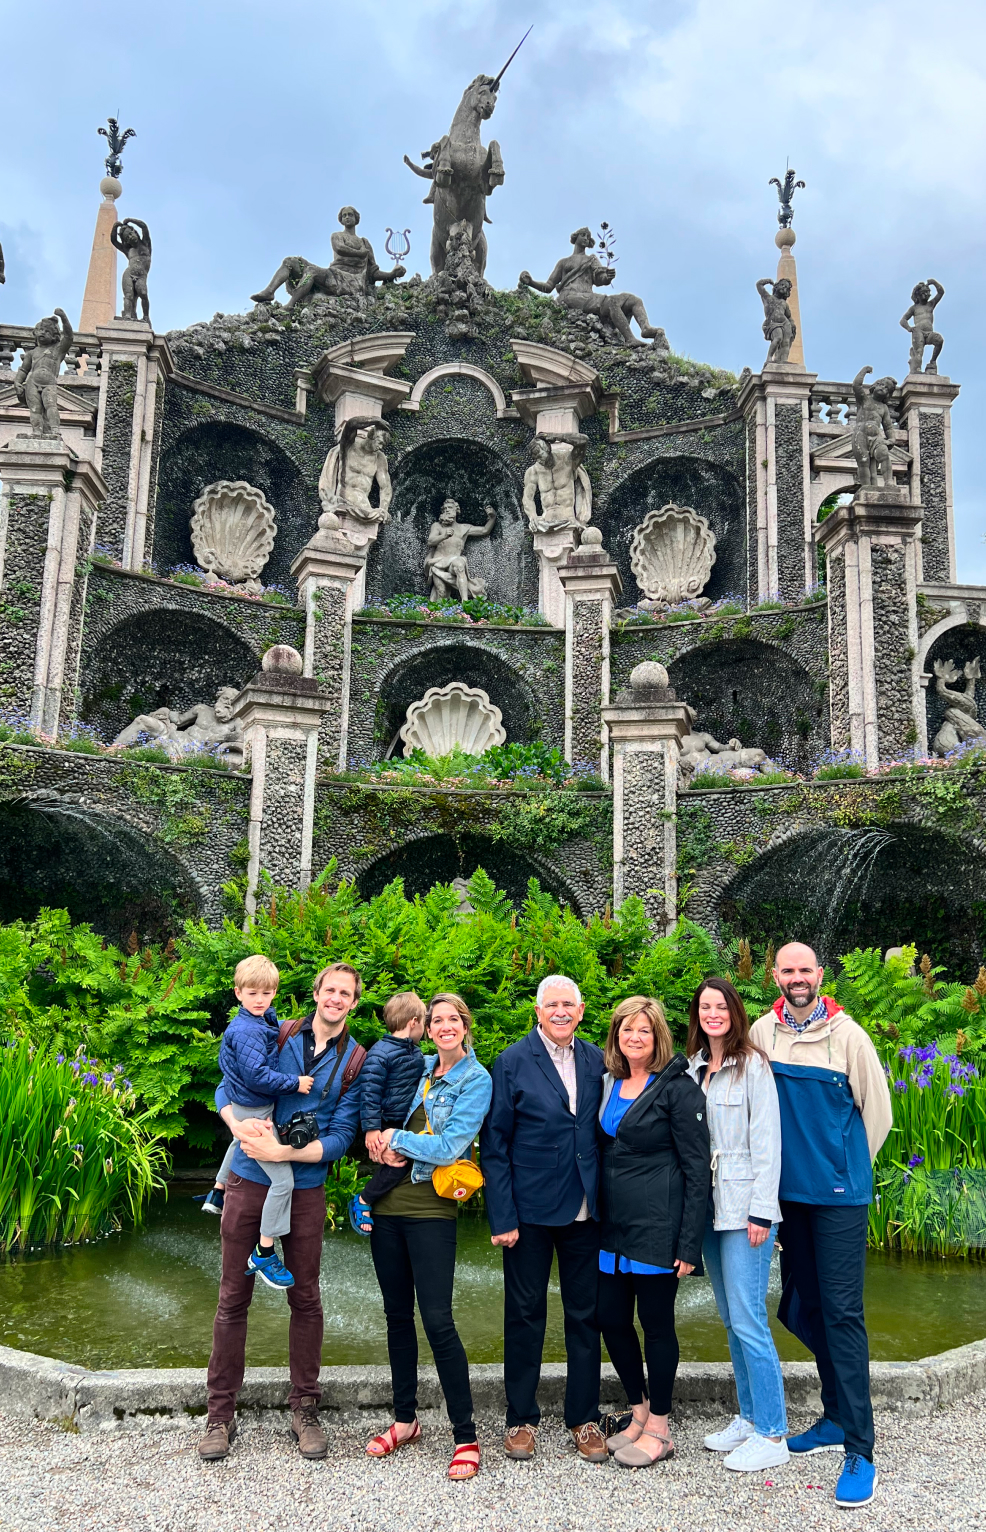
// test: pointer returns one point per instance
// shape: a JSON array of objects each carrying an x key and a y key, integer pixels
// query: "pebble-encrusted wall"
[
  {"x": 327, "y": 664},
  {"x": 645, "y": 794},
  {"x": 837, "y": 642},
  {"x": 790, "y": 477},
  {"x": 121, "y": 388},
  {"x": 395, "y": 662},
  {"x": 377, "y": 834},
  {"x": 117, "y": 840},
  {"x": 587, "y": 682},
  {"x": 20, "y": 597},
  {"x": 893, "y": 653},
  {"x": 284, "y": 791},
  {"x": 152, "y": 643},
  {"x": 934, "y": 529},
  {"x": 760, "y": 677}
]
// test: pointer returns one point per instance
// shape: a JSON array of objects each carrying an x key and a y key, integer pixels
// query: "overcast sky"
[{"x": 256, "y": 122}]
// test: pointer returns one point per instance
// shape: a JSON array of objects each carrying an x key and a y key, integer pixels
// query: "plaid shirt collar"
[{"x": 818, "y": 1014}]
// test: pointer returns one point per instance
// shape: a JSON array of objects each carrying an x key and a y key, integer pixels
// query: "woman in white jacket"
[{"x": 745, "y": 1129}]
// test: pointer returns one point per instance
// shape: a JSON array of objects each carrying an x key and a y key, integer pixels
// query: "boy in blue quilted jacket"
[
  {"x": 388, "y": 1081},
  {"x": 252, "y": 1079}
]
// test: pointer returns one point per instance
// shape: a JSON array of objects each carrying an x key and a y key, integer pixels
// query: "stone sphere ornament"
[
  {"x": 282, "y": 659},
  {"x": 672, "y": 555},
  {"x": 647, "y": 674},
  {"x": 450, "y": 716},
  {"x": 233, "y": 531}
]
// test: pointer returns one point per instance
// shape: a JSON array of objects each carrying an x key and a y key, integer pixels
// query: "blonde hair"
[
  {"x": 463, "y": 1010},
  {"x": 653, "y": 1010},
  {"x": 402, "y": 1009},
  {"x": 256, "y": 972}
]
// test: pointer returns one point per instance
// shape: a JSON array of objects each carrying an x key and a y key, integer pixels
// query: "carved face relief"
[
  {"x": 672, "y": 554},
  {"x": 448, "y": 512}
]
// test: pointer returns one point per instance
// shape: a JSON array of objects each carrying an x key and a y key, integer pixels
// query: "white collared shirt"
[{"x": 563, "y": 1059}]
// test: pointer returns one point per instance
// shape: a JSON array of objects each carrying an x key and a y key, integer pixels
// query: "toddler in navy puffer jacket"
[{"x": 388, "y": 1081}]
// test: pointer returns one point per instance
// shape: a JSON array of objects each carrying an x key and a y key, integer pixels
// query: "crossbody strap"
[{"x": 472, "y": 1146}]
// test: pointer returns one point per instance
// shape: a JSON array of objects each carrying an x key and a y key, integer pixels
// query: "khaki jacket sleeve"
[{"x": 870, "y": 1090}]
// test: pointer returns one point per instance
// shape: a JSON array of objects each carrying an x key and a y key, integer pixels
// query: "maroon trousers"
[{"x": 303, "y": 1257}]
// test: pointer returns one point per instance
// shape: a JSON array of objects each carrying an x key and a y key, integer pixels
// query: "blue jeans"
[{"x": 739, "y": 1273}]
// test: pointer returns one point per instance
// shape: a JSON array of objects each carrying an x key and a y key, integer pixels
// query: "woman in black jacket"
[{"x": 655, "y": 1192}]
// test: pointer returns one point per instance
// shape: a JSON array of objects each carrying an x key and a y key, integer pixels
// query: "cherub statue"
[
  {"x": 357, "y": 462},
  {"x": 961, "y": 721},
  {"x": 697, "y": 748},
  {"x": 557, "y": 477},
  {"x": 576, "y": 275},
  {"x": 446, "y": 563},
  {"x": 353, "y": 272},
  {"x": 874, "y": 432},
  {"x": 36, "y": 381},
  {"x": 205, "y": 724},
  {"x": 132, "y": 239},
  {"x": 779, "y": 328},
  {"x": 922, "y": 331}
]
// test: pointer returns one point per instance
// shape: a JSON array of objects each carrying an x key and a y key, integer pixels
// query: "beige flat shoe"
[
  {"x": 635, "y": 1456},
  {"x": 621, "y": 1439}
]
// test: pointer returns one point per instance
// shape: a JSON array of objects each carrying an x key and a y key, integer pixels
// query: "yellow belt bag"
[{"x": 460, "y": 1179}]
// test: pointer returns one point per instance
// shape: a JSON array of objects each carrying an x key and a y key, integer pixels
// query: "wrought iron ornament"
[
  {"x": 401, "y": 246},
  {"x": 785, "y": 195},
  {"x": 116, "y": 141},
  {"x": 606, "y": 244}
]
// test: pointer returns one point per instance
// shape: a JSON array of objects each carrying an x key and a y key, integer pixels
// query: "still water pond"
[{"x": 147, "y": 1299}]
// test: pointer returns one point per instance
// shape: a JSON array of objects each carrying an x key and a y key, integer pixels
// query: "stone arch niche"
[
  {"x": 747, "y": 690},
  {"x": 475, "y": 476},
  {"x": 711, "y": 491},
  {"x": 98, "y": 867},
  {"x": 160, "y": 658},
  {"x": 963, "y": 642},
  {"x": 439, "y": 858},
  {"x": 442, "y": 663},
  {"x": 218, "y": 450},
  {"x": 838, "y": 889}
]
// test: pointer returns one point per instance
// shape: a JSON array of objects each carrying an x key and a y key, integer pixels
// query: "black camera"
[{"x": 300, "y": 1130}]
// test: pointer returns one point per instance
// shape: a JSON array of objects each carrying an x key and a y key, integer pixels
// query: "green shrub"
[
  {"x": 839, "y": 771},
  {"x": 76, "y": 1159}
]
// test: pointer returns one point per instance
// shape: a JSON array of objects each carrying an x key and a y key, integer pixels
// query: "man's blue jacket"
[{"x": 539, "y": 1160}]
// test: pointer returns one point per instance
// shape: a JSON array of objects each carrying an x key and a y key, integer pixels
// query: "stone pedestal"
[
  {"x": 354, "y": 375},
  {"x": 591, "y": 584},
  {"x": 553, "y": 549},
  {"x": 281, "y": 711},
  {"x": 646, "y": 726},
  {"x": 925, "y": 412},
  {"x": 135, "y": 363},
  {"x": 780, "y": 553},
  {"x": 330, "y": 573},
  {"x": 47, "y": 520},
  {"x": 872, "y": 557}
]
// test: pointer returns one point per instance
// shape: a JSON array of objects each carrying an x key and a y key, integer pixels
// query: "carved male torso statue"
[
  {"x": 557, "y": 478},
  {"x": 446, "y": 563},
  {"x": 874, "y": 432},
  {"x": 353, "y": 466}
]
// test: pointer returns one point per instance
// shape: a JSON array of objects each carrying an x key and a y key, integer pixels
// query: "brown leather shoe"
[
  {"x": 312, "y": 1440},
  {"x": 590, "y": 1442},
  {"x": 214, "y": 1445},
  {"x": 521, "y": 1442}
]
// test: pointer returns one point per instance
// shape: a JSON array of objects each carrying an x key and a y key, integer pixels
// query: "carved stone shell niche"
[
  {"x": 672, "y": 554},
  {"x": 453, "y": 715},
  {"x": 233, "y": 531}
]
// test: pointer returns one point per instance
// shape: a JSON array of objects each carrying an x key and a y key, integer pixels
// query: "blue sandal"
[{"x": 360, "y": 1216}]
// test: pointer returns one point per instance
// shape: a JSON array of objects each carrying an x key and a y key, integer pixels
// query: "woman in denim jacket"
[
  {"x": 745, "y": 1129},
  {"x": 413, "y": 1236}
]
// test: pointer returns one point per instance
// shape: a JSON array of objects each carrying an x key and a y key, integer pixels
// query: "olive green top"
[{"x": 420, "y": 1200}]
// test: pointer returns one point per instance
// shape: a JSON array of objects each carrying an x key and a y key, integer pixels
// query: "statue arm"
[
  {"x": 419, "y": 170},
  {"x": 20, "y": 377},
  {"x": 383, "y": 481},
  {"x": 905, "y": 317},
  {"x": 529, "y": 502},
  {"x": 583, "y": 496},
  {"x": 144, "y": 232},
  {"x": 526, "y": 280},
  {"x": 762, "y": 286},
  {"x": 68, "y": 334},
  {"x": 485, "y": 529},
  {"x": 859, "y": 391},
  {"x": 115, "y": 238},
  {"x": 939, "y": 293}
]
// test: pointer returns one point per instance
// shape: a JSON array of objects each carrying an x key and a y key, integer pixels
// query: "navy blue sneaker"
[
  {"x": 857, "y": 1481},
  {"x": 823, "y": 1436},
  {"x": 212, "y": 1202},
  {"x": 269, "y": 1268}
]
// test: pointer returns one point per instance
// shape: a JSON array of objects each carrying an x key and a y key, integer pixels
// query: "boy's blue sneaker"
[
  {"x": 269, "y": 1268},
  {"x": 212, "y": 1202},
  {"x": 823, "y": 1436},
  {"x": 857, "y": 1481}
]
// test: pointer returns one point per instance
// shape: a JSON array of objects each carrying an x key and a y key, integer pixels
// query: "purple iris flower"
[
  {"x": 108, "y": 1079},
  {"x": 59, "y": 1058},
  {"x": 955, "y": 1090},
  {"x": 900, "y": 1086},
  {"x": 90, "y": 1079},
  {"x": 915, "y": 1160}
]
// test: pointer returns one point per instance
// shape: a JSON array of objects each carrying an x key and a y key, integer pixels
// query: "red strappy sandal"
[
  {"x": 388, "y": 1441},
  {"x": 465, "y": 1462}
]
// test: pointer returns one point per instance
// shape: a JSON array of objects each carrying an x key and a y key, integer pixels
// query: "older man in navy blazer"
[{"x": 541, "y": 1164}]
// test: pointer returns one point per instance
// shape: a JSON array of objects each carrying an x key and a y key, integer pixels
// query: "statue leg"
[
  {"x": 479, "y": 252},
  {"x": 32, "y": 395},
  {"x": 299, "y": 292},
  {"x": 129, "y": 306},
  {"x": 633, "y": 308},
  {"x": 140, "y": 291},
  {"x": 459, "y": 569},
  {"x": 49, "y": 400},
  {"x": 266, "y": 294},
  {"x": 438, "y": 250},
  {"x": 917, "y": 350},
  {"x": 935, "y": 340},
  {"x": 881, "y": 464},
  {"x": 611, "y": 309}
]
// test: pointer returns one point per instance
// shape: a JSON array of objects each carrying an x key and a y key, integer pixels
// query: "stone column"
[
  {"x": 135, "y": 364},
  {"x": 99, "y": 298},
  {"x": 925, "y": 412},
  {"x": 646, "y": 725},
  {"x": 591, "y": 584},
  {"x": 47, "y": 518},
  {"x": 280, "y": 710},
  {"x": 329, "y": 574},
  {"x": 872, "y": 553},
  {"x": 780, "y": 556}
]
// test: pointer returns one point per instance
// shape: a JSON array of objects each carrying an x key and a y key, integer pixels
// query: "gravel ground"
[{"x": 153, "y": 1482}]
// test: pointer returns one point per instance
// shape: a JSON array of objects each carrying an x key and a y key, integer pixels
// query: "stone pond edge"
[{"x": 42, "y": 1388}]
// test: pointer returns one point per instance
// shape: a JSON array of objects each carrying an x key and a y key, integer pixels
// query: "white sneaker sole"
[
  {"x": 208, "y": 1208},
  {"x": 758, "y": 1467},
  {"x": 731, "y": 1448},
  {"x": 279, "y": 1287},
  {"x": 852, "y": 1505}
]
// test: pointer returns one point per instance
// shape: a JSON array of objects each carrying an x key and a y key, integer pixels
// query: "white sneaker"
[
  {"x": 738, "y": 1430},
  {"x": 757, "y": 1452}
]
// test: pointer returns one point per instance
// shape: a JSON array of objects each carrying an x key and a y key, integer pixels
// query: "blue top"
[
  {"x": 388, "y": 1080},
  {"x": 614, "y": 1112},
  {"x": 250, "y": 1062}
]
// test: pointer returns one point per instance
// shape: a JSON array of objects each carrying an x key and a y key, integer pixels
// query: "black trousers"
[
  {"x": 416, "y": 1257},
  {"x": 826, "y": 1249},
  {"x": 526, "y": 1270},
  {"x": 654, "y": 1297}
]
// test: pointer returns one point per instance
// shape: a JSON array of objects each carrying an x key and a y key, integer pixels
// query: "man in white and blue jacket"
[
  {"x": 319, "y": 1046},
  {"x": 835, "y": 1114}
]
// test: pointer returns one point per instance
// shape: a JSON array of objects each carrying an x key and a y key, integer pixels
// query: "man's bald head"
[{"x": 798, "y": 976}]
